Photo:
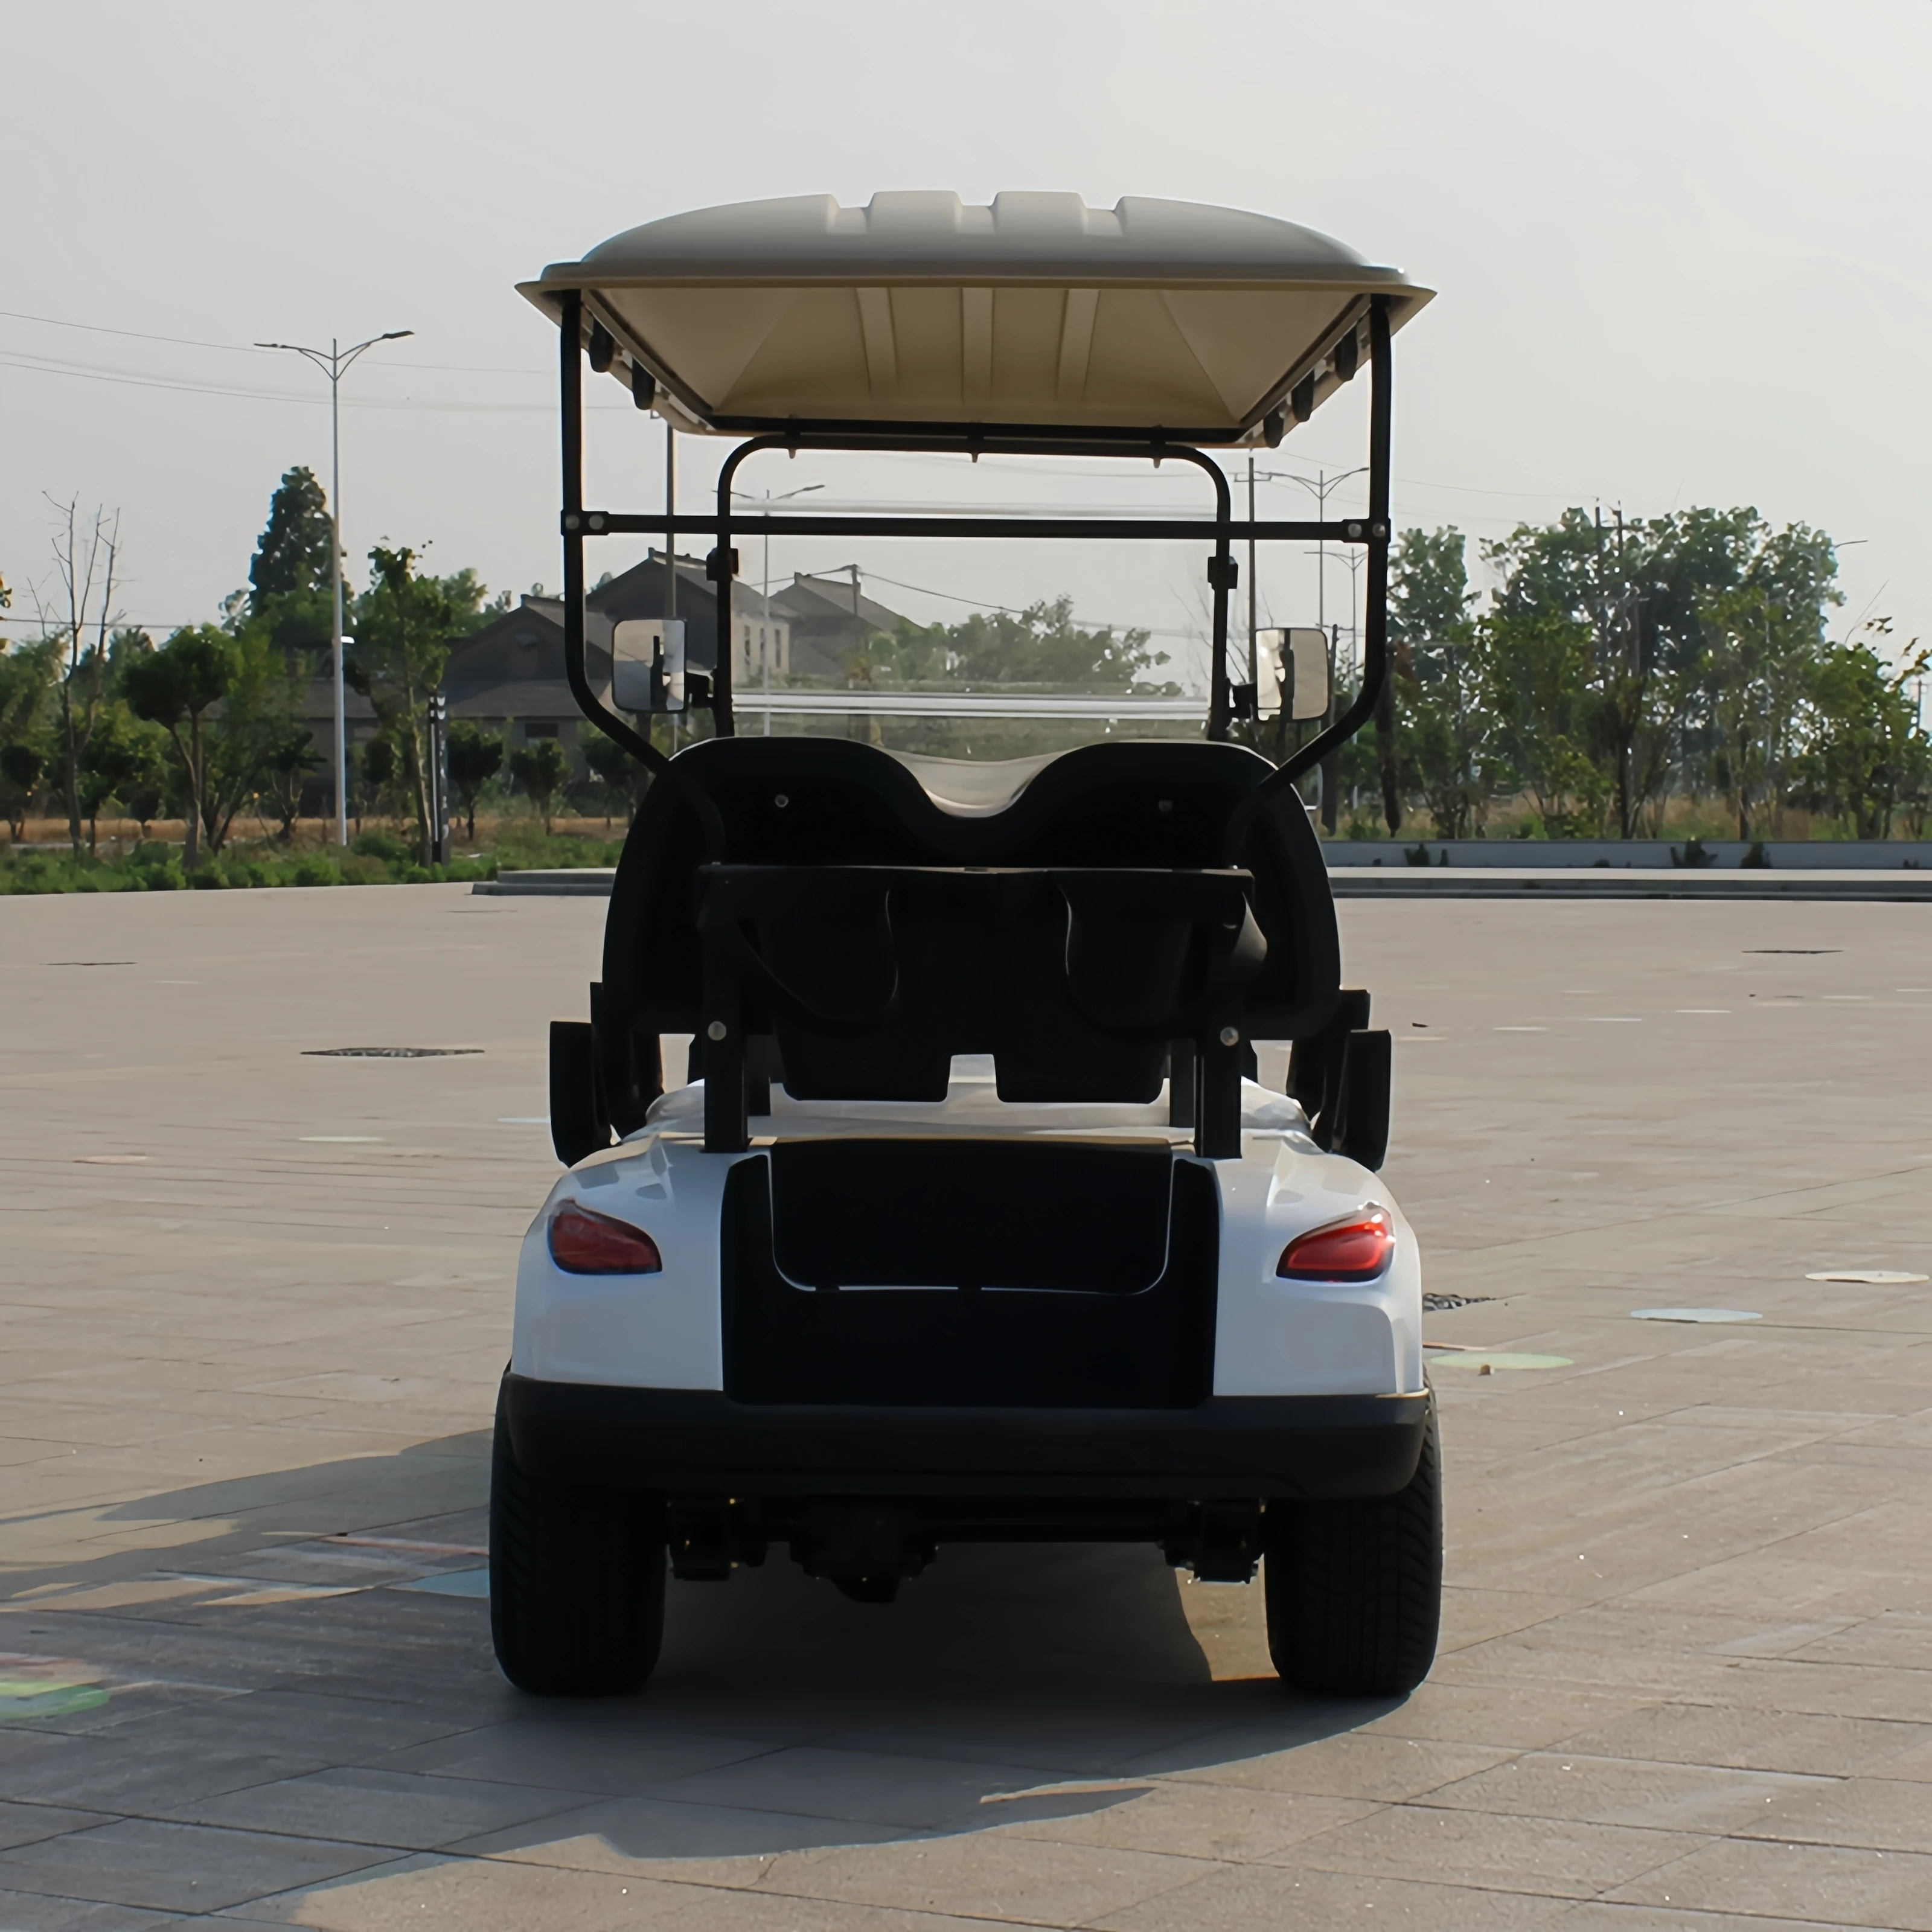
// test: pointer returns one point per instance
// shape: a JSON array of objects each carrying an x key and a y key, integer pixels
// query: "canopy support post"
[
  {"x": 1375, "y": 604},
  {"x": 570, "y": 377},
  {"x": 722, "y": 566},
  {"x": 1222, "y": 573}
]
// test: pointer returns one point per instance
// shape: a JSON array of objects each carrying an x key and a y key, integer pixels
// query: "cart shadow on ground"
[{"x": 1008, "y": 1685}]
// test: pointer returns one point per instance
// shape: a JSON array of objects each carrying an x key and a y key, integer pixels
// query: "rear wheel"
[
  {"x": 1354, "y": 1585},
  {"x": 576, "y": 1582}
]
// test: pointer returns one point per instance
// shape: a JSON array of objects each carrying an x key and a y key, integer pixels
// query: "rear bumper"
[{"x": 699, "y": 1442}]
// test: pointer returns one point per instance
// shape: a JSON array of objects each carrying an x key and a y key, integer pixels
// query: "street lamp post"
[
  {"x": 333, "y": 362},
  {"x": 765, "y": 635},
  {"x": 1322, "y": 488}
]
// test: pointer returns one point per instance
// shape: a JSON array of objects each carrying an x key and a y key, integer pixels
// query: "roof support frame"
[
  {"x": 570, "y": 341},
  {"x": 1158, "y": 445}
]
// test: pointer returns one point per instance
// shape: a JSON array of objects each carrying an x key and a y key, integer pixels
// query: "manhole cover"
[
  {"x": 1694, "y": 1314},
  {"x": 1441, "y": 1304},
  {"x": 1487, "y": 1361},
  {"x": 1869, "y": 1277},
  {"x": 385, "y": 1052}
]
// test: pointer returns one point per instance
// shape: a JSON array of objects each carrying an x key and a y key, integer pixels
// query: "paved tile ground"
[{"x": 255, "y": 1304}]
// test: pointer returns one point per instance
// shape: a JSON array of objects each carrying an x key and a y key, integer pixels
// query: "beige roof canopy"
[{"x": 1036, "y": 311}]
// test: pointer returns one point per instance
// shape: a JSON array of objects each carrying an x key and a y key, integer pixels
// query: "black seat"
[{"x": 845, "y": 926}]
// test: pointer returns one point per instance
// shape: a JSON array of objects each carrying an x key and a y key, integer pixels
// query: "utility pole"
[{"x": 335, "y": 363}]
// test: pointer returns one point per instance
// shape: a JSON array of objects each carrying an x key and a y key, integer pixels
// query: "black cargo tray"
[{"x": 1002, "y": 1272}]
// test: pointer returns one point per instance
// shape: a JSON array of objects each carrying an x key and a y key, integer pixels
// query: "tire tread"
[
  {"x": 1354, "y": 1585},
  {"x": 576, "y": 1583}
]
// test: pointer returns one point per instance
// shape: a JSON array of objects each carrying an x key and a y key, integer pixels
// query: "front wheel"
[
  {"x": 576, "y": 1582},
  {"x": 1354, "y": 1585}
]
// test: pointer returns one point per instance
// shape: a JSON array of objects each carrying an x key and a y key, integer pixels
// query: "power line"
[
  {"x": 48, "y": 365},
  {"x": 1039, "y": 467},
  {"x": 248, "y": 348},
  {"x": 979, "y": 603},
  {"x": 133, "y": 334}
]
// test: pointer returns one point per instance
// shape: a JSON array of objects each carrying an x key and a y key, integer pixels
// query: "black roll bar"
[
  {"x": 724, "y": 558},
  {"x": 571, "y": 383},
  {"x": 575, "y": 669}
]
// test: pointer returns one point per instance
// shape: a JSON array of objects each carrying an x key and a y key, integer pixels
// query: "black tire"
[
  {"x": 1354, "y": 1585},
  {"x": 576, "y": 1582}
]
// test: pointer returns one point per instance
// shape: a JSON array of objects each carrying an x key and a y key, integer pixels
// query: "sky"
[{"x": 1674, "y": 245}]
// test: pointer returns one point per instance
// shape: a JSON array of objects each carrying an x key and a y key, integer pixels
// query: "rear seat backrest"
[{"x": 823, "y": 802}]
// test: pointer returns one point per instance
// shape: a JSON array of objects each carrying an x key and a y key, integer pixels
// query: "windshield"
[{"x": 961, "y": 648}]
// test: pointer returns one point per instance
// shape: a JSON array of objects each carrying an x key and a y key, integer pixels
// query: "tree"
[
  {"x": 291, "y": 584},
  {"x": 1536, "y": 667},
  {"x": 1438, "y": 669},
  {"x": 27, "y": 674},
  {"x": 1862, "y": 755},
  {"x": 1762, "y": 639},
  {"x": 225, "y": 702},
  {"x": 619, "y": 775},
  {"x": 405, "y": 624},
  {"x": 288, "y": 758},
  {"x": 475, "y": 757},
  {"x": 84, "y": 557},
  {"x": 1752, "y": 677},
  {"x": 1040, "y": 645},
  {"x": 292, "y": 559},
  {"x": 176, "y": 687},
  {"x": 23, "y": 765},
  {"x": 125, "y": 760},
  {"x": 376, "y": 765},
  {"x": 1645, "y": 592},
  {"x": 542, "y": 768}
]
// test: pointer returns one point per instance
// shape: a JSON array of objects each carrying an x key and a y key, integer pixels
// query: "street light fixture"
[
  {"x": 765, "y": 635},
  {"x": 333, "y": 362}
]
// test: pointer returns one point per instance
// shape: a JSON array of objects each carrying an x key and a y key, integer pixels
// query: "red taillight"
[
  {"x": 1352, "y": 1250},
  {"x": 582, "y": 1242}
]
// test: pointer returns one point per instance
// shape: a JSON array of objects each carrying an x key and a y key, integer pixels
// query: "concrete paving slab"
[{"x": 1692, "y": 1567}]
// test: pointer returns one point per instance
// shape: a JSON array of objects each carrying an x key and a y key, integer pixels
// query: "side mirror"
[
  {"x": 1291, "y": 665},
  {"x": 647, "y": 665}
]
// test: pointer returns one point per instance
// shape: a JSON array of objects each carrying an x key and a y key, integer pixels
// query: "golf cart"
[{"x": 968, "y": 1219}]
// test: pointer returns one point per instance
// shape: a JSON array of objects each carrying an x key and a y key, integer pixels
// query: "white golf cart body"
[
  {"x": 970, "y": 1217},
  {"x": 1272, "y": 1336}
]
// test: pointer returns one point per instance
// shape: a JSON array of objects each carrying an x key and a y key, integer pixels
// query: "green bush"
[
  {"x": 314, "y": 871},
  {"x": 230, "y": 871},
  {"x": 153, "y": 868},
  {"x": 32, "y": 874},
  {"x": 383, "y": 845}
]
